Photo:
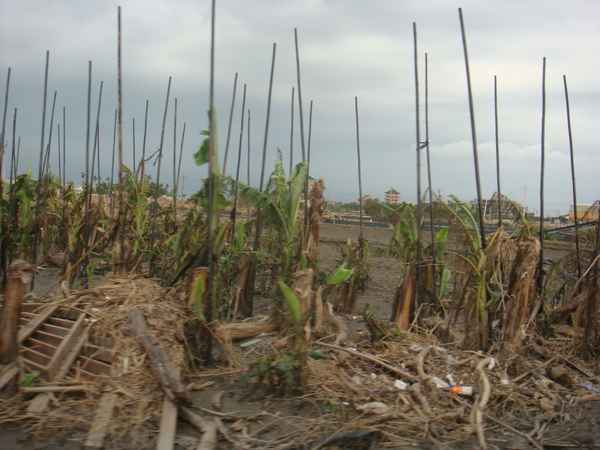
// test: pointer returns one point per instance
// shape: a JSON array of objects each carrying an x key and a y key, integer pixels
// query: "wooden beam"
[
  {"x": 8, "y": 373},
  {"x": 44, "y": 389},
  {"x": 35, "y": 323},
  {"x": 168, "y": 426},
  {"x": 19, "y": 276},
  {"x": 164, "y": 370},
  {"x": 99, "y": 428},
  {"x": 65, "y": 347}
]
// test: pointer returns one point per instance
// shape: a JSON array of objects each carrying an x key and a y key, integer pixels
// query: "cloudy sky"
[{"x": 348, "y": 49}]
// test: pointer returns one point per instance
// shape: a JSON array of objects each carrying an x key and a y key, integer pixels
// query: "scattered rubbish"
[
  {"x": 400, "y": 385},
  {"x": 589, "y": 387},
  {"x": 356, "y": 379},
  {"x": 250, "y": 342},
  {"x": 440, "y": 383},
  {"x": 374, "y": 408},
  {"x": 462, "y": 390}
]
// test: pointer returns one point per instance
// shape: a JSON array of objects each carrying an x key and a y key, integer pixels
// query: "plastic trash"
[
  {"x": 400, "y": 385},
  {"x": 462, "y": 390},
  {"x": 440, "y": 383},
  {"x": 589, "y": 387}
]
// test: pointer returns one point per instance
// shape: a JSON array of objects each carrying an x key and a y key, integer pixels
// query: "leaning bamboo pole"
[
  {"x": 96, "y": 148},
  {"x": 360, "y": 195},
  {"x": 419, "y": 147},
  {"x": 292, "y": 132},
  {"x": 41, "y": 165},
  {"x": 211, "y": 260},
  {"x": 542, "y": 173},
  {"x": 121, "y": 216},
  {"x": 239, "y": 159},
  {"x": 158, "y": 169},
  {"x": 430, "y": 183},
  {"x": 230, "y": 123},
  {"x": 3, "y": 133},
  {"x": 576, "y": 219},
  {"x": 497, "y": 141},
  {"x": 473, "y": 130}
]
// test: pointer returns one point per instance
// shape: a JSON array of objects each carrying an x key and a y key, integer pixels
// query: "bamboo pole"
[
  {"x": 497, "y": 140},
  {"x": 264, "y": 154},
  {"x": 473, "y": 130},
  {"x": 419, "y": 147},
  {"x": 211, "y": 263},
  {"x": 112, "y": 161},
  {"x": 41, "y": 164},
  {"x": 430, "y": 182},
  {"x": 292, "y": 133},
  {"x": 239, "y": 160},
  {"x": 157, "y": 183},
  {"x": 175, "y": 167},
  {"x": 121, "y": 218},
  {"x": 230, "y": 123},
  {"x": 96, "y": 151},
  {"x": 64, "y": 128},
  {"x": 360, "y": 195},
  {"x": 577, "y": 255},
  {"x": 46, "y": 164},
  {"x": 3, "y": 134},
  {"x": 248, "y": 163},
  {"x": 300, "y": 95},
  {"x": 86, "y": 188},
  {"x": 13, "y": 156},
  {"x": 542, "y": 173}
]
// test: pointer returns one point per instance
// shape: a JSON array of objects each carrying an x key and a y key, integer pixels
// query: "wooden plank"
[
  {"x": 39, "y": 404},
  {"x": 97, "y": 353},
  {"x": 82, "y": 374},
  {"x": 40, "y": 346},
  {"x": 93, "y": 366},
  {"x": 36, "y": 357},
  {"x": 44, "y": 389},
  {"x": 99, "y": 429},
  {"x": 53, "y": 329},
  {"x": 165, "y": 372},
  {"x": 70, "y": 357},
  {"x": 35, "y": 323},
  {"x": 65, "y": 323},
  {"x": 8, "y": 373},
  {"x": 65, "y": 347},
  {"x": 48, "y": 338},
  {"x": 168, "y": 426}
]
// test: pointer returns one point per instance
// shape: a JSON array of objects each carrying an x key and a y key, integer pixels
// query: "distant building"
[
  {"x": 365, "y": 198},
  {"x": 392, "y": 196},
  {"x": 585, "y": 213}
]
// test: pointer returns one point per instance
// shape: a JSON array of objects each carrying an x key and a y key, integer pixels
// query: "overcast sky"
[{"x": 348, "y": 49}]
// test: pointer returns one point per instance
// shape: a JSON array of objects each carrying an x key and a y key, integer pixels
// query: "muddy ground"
[{"x": 274, "y": 418}]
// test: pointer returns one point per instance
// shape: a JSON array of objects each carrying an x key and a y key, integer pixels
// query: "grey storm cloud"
[{"x": 348, "y": 49}]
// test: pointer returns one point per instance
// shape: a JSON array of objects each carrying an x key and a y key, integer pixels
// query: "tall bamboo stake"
[
  {"x": 264, "y": 154},
  {"x": 86, "y": 189},
  {"x": 112, "y": 161},
  {"x": 542, "y": 170},
  {"x": 176, "y": 182},
  {"x": 121, "y": 225},
  {"x": 212, "y": 263},
  {"x": 175, "y": 167},
  {"x": 578, "y": 258},
  {"x": 230, "y": 123},
  {"x": 49, "y": 144},
  {"x": 248, "y": 163},
  {"x": 157, "y": 183},
  {"x": 3, "y": 135},
  {"x": 64, "y": 154},
  {"x": 429, "y": 180},
  {"x": 13, "y": 158},
  {"x": 419, "y": 147},
  {"x": 497, "y": 140},
  {"x": 134, "y": 165},
  {"x": 96, "y": 151},
  {"x": 300, "y": 96},
  {"x": 473, "y": 131},
  {"x": 360, "y": 195},
  {"x": 41, "y": 165},
  {"x": 143, "y": 160},
  {"x": 292, "y": 134},
  {"x": 239, "y": 160}
]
